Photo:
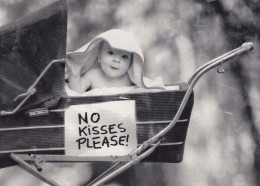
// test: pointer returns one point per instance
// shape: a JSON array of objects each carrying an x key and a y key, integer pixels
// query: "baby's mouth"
[{"x": 114, "y": 68}]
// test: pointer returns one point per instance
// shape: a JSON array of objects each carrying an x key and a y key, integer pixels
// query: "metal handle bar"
[{"x": 192, "y": 82}]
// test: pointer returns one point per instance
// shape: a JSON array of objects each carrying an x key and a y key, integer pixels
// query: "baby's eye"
[
  {"x": 125, "y": 56},
  {"x": 110, "y": 52}
]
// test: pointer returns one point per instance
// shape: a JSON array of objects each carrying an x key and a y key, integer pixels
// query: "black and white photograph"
[{"x": 129, "y": 93}]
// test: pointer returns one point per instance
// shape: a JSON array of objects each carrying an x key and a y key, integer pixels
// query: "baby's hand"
[{"x": 74, "y": 68}]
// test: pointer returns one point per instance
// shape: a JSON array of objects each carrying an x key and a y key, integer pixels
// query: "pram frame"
[{"x": 143, "y": 150}]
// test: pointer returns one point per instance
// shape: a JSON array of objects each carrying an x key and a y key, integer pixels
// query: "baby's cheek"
[{"x": 125, "y": 66}]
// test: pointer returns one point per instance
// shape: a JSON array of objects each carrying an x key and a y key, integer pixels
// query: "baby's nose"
[{"x": 116, "y": 59}]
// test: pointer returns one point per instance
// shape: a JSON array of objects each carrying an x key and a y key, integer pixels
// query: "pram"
[{"x": 162, "y": 117}]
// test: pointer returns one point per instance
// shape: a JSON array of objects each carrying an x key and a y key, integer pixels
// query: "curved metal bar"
[
  {"x": 31, "y": 90},
  {"x": 192, "y": 82}
]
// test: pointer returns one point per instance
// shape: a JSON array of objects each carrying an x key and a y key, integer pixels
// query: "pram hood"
[
  {"x": 28, "y": 46},
  {"x": 117, "y": 39}
]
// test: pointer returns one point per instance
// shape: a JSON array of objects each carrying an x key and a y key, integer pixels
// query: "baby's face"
[{"x": 115, "y": 63}]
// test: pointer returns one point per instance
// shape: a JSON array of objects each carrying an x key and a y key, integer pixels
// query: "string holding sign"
[{"x": 101, "y": 129}]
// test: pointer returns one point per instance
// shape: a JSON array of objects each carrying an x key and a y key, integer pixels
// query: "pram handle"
[{"x": 192, "y": 82}]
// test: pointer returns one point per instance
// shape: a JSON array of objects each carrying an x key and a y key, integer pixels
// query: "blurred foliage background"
[{"x": 177, "y": 36}]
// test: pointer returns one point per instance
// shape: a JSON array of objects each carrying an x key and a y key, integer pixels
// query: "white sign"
[{"x": 100, "y": 129}]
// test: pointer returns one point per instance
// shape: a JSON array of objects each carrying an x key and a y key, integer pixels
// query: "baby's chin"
[
  {"x": 114, "y": 76},
  {"x": 115, "y": 73}
]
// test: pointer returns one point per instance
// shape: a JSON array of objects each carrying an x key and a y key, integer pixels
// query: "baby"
[
  {"x": 114, "y": 65},
  {"x": 112, "y": 59}
]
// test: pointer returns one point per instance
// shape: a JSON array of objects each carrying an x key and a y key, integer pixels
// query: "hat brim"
[{"x": 117, "y": 39}]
